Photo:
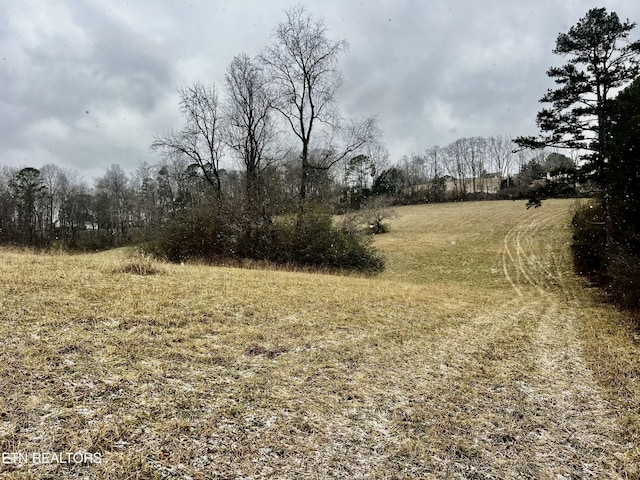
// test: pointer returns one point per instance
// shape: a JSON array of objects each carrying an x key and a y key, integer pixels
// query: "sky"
[{"x": 85, "y": 84}]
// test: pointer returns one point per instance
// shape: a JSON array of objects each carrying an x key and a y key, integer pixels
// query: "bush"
[
  {"x": 312, "y": 240},
  {"x": 207, "y": 234},
  {"x": 369, "y": 219},
  {"x": 309, "y": 240},
  {"x": 589, "y": 240},
  {"x": 140, "y": 263},
  {"x": 614, "y": 268},
  {"x": 623, "y": 278}
]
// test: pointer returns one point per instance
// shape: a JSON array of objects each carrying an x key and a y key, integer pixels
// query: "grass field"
[{"x": 476, "y": 354}]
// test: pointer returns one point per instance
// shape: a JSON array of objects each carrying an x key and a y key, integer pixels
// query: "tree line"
[
  {"x": 475, "y": 168},
  {"x": 53, "y": 206},
  {"x": 50, "y": 205}
]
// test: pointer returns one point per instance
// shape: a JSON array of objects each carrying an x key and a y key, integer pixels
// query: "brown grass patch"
[
  {"x": 139, "y": 263},
  {"x": 459, "y": 361}
]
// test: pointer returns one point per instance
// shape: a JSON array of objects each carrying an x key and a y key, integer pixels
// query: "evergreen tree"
[
  {"x": 601, "y": 61},
  {"x": 28, "y": 191},
  {"x": 624, "y": 181}
]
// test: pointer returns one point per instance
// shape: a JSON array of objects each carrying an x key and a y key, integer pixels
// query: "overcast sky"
[{"x": 87, "y": 83}]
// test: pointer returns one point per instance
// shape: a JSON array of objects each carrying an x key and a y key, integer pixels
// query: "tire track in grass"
[
  {"x": 576, "y": 433},
  {"x": 514, "y": 256},
  {"x": 505, "y": 391},
  {"x": 536, "y": 268},
  {"x": 524, "y": 260},
  {"x": 508, "y": 260}
]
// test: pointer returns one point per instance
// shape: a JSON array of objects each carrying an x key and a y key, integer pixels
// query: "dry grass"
[
  {"x": 139, "y": 263},
  {"x": 477, "y": 354}
]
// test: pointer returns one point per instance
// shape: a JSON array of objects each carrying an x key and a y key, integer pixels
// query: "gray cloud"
[
  {"x": 79, "y": 89},
  {"x": 88, "y": 84}
]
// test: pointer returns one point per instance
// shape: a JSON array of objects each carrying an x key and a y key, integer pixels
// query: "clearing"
[{"x": 476, "y": 354}]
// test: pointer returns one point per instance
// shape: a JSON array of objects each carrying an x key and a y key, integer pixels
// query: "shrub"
[
  {"x": 195, "y": 233},
  {"x": 140, "y": 263},
  {"x": 589, "y": 240},
  {"x": 623, "y": 278},
  {"x": 369, "y": 219},
  {"x": 308, "y": 239},
  {"x": 615, "y": 268},
  {"x": 312, "y": 240}
]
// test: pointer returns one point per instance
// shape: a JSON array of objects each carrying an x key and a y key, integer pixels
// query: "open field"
[{"x": 476, "y": 354}]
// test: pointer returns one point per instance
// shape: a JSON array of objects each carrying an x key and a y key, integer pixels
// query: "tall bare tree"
[
  {"x": 302, "y": 64},
  {"x": 501, "y": 150},
  {"x": 201, "y": 139},
  {"x": 75, "y": 207},
  {"x": 434, "y": 159},
  {"x": 455, "y": 164},
  {"x": 113, "y": 197},
  {"x": 51, "y": 176},
  {"x": 250, "y": 126}
]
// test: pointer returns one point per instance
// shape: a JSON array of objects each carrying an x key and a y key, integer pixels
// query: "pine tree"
[
  {"x": 624, "y": 168},
  {"x": 602, "y": 61}
]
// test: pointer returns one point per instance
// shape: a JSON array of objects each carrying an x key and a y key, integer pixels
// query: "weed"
[{"x": 140, "y": 263}]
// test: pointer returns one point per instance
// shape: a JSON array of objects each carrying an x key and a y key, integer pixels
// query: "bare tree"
[
  {"x": 250, "y": 126},
  {"x": 501, "y": 149},
  {"x": 413, "y": 168},
  {"x": 147, "y": 209},
  {"x": 113, "y": 199},
  {"x": 302, "y": 64},
  {"x": 465, "y": 161},
  {"x": 201, "y": 139},
  {"x": 456, "y": 166},
  {"x": 75, "y": 207},
  {"x": 178, "y": 184},
  {"x": 478, "y": 158},
  {"x": 51, "y": 176},
  {"x": 60, "y": 184},
  {"x": 434, "y": 158}
]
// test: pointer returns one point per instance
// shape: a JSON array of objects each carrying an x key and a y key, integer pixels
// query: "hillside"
[{"x": 477, "y": 353}]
